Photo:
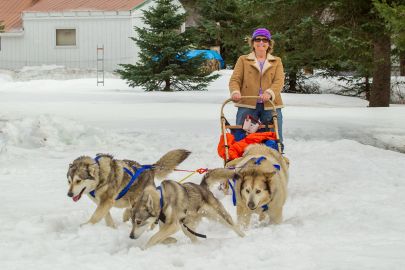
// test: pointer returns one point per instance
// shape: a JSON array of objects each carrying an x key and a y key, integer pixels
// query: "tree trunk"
[
  {"x": 167, "y": 86},
  {"x": 402, "y": 63},
  {"x": 367, "y": 87},
  {"x": 381, "y": 88},
  {"x": 309, "y": 70},
  {"x": 292, "y": 82}
]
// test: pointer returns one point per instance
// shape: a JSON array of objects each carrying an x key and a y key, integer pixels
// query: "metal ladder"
[{"x": 100, "y": 64}]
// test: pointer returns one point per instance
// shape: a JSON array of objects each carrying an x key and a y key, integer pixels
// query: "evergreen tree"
[
  {"x": 300, "y": 37},
  {"x": 359, "y": 25},
  {"x": 1, "y": 26},
  {"x": 163, "y": 64},
  {"x": 221, "y": 24},
  {"x": 335, "y": 36},
  {"x": 339, "y": 35},
  {"x": 394, "y": 16}
]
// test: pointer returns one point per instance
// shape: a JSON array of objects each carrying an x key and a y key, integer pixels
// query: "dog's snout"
[
  {"x": 251, "y": 205},
  {"x": 132, "y": 236},
  {"x": 70, "y": 194}
]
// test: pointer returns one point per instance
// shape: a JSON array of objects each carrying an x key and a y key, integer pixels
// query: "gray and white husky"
[
  {"x": 178, "y": 207},
  {"x": 104, "y": 179},
  {"x": 261, "y": 178}
]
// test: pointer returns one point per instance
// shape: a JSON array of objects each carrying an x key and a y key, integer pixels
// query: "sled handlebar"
[{"x": 244, "y": 97}]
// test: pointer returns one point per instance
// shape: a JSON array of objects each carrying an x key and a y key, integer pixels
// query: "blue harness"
[
  {"x": 134, "y": 176},
  {"x": 257, "y": 162},
  {"x": 161, "y": 196},
  {"x": 162, "y": 216}
]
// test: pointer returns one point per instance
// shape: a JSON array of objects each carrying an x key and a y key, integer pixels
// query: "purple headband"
[{"x": 261, "y": 32}]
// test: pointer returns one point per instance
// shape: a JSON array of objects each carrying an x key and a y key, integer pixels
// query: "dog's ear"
[
  {"x": 268, "y": 179},
  {"x": 240, "y": 183},
  {"x": 269, "y": 175},
  {"x": 149, "y": 203},
  {"x": 92, "y": 170}
]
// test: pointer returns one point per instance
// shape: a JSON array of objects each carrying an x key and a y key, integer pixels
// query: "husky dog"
[
  {"x": 259, "y": 179},
  {"x": 105, "y": 180},
  {"x": 177, "y": 206}
]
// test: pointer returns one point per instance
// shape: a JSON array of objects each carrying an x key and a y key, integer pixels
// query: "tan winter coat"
[{"x": 246, "y": 79}]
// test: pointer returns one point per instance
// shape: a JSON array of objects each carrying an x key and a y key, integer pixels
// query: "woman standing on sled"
[{"x": 258, "y": 74}]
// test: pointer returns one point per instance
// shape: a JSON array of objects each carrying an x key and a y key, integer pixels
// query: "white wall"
[
  {"x": 12, "y": 50},
  {"x": 37, "y": 45}
]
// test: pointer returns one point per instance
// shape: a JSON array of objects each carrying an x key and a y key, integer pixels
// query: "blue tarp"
[{"x": 208, "y": 54}]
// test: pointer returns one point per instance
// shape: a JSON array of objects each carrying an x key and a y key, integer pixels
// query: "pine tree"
[
  {"x": 221, "y": 24},
  {"x": 394, "y": 16},
  {"x": 339, "y": 35},
  {"x": 163, "y": 64},
  {"x": 298, "y": 32},
  {"x": 371, "y": 41}
]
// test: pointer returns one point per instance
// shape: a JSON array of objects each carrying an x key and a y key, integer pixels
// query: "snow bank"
[
  {"x": 54, "y": 72},
  {"x": 52, "y": 132}
]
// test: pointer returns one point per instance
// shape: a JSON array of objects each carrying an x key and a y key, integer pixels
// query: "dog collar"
[
  {"x": 259, "y": 160},
  {"x": 232, "y": 183},
  {"x": 162, "y": 216},
  {"x": 97, "y": 159},
  {"x": 161, "y": 196},
  {"x": 233, "y": 190}
]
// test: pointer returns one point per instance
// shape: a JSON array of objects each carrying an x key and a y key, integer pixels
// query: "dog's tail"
[
  {"x": 169, "y": 162},
  {"x": 219, "y": 175}
]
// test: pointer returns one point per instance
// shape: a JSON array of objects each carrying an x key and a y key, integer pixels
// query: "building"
[{"x": 68, "y": 32}]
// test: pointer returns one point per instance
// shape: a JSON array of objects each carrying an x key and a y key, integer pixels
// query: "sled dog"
[
  {"x": 259, "y": 179},
  {"x": 105, "y": 179},
  {"x": 177, "y": 206}
]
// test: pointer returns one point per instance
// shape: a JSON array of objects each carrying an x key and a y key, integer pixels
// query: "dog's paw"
[
  {"x": 241, "y": 234},
  {"x": 127, "y": 215},
  {"x": 238, "y": 231},
  {"x": 143, "y": 248},
  {"x": 152, "y": 226},
  {"x": 169, "y": 240},
  {"x": 84, "y": 224},
  {"x": 112, "y": 225}
]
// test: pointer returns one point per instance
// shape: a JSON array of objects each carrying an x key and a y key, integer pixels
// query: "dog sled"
[
  {"x": 253, "y": 161},
  {"x": 252, "y": 131}
]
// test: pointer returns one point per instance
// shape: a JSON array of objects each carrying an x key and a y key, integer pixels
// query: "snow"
[{"x": 345, "y": 205}]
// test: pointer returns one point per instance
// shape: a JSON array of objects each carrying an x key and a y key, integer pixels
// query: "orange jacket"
[{"x": 236, "y": 149}]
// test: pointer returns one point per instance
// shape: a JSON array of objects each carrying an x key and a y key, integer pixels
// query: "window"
[{"x": 65, "y": 37}]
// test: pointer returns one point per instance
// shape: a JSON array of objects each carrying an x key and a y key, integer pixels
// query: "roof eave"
[{"x": 12, "y": 34}]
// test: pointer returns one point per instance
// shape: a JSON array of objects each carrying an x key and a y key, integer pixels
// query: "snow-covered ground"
[{"x": 345, "y": 208}]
